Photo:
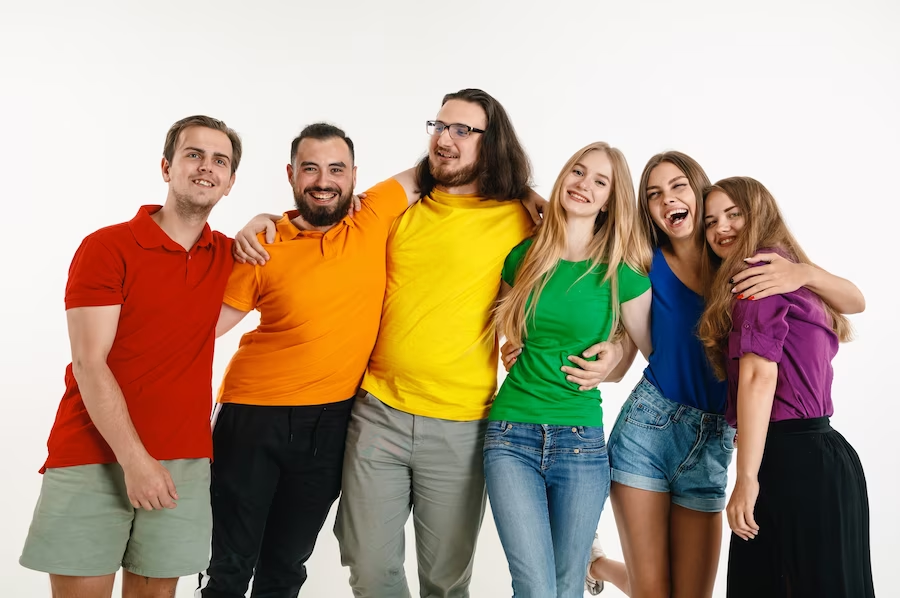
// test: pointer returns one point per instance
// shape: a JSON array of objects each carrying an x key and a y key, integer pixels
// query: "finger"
[
  {"x": 270, "y": 237},
  {"x": 751, "y": 522},
  {"x": 170, "y": 485},
  {"x": 587, "y": 383},
  {"x": 596, "y": 349},
  {"x": 156, "y": 503},
  {"x": 362, "y": 195},
  {"x": 747, "y": 273},
  {"x": 509, "y": 365},
  {"x": 134, "y": 502},
  {"x": 757, "y": 291},
  {"x": 582, "y": 363},
  {"x": 145, "y": 504},
  {"x": 760, "y": 257}
]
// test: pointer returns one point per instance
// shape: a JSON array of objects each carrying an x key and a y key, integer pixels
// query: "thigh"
[
  {"x": 519, "y": 503},
  {"x": 578, "y": 482},
  {"x": 448, "y": 501},
  {"x": 136, "y": 586},
  {"x": 695, "y": 543},
  {"x": 642, "y": 518},
  {"x": 66, "y": 586},
  {"x": 171, "y": 543},
  {"x": 310, "y": 482},
  {"x": 81, "y": 523},
  {"x": 375, "y": 499}
]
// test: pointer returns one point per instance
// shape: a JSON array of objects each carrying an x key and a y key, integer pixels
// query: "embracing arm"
[
  {"x": 756, "y": 392},
  {"x": 778, "y": 275},
  {"x": 228, "y": 319},
  {"x": 636, "y": 319},
  {"x": 91, "y": 334}
]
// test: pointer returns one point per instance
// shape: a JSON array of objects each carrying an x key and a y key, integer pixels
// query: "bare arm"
[
  {"x": 636, "y": 319},
  {"x": 780, "y": 275},
  {"x": 91, "y": 334},
  {"x": 228, "y": 319},
  {"x": 407, "y": 180},
  {"x": 756, "y": 392}
]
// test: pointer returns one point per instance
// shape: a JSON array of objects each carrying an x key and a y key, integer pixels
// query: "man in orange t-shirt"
[
  {"x": 286, "y": 395},
  {"x": 131, "y": 438}
]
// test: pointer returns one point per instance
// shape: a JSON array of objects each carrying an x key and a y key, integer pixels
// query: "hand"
[
  {"x": 740, "y": 508},
  {"x": 355, "y": 204},
  {"x": 589, "y": 374},
  {"x": 509, "y": 354},
  {"x": 777, "y": 277},
  {"x": 149, "y": 484},
  {"x": 247, "y": 248},
  {"x": 535, "y": 204}
]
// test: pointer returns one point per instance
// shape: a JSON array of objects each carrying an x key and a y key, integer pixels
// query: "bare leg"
[
  {"x": 642, "y": 518},
  {"x": 67, "y": 586},
  {"x": 137, "y": 586},
  {"x": 696, "y": 540},
  {"x": 612, "y": 571}
]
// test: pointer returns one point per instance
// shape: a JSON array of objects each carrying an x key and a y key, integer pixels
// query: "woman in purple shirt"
[{"x": 799, "y": 509}]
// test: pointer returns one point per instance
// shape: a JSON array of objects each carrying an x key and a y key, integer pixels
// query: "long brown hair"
[
  {"x": 504, "y": 171},
  {"x": 764, "y": 228},
  {"x": 612, "y": 243},
  {"x": 647, "y": 231}
]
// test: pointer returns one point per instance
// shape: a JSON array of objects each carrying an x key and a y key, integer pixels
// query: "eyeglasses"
[{"x": 456, "y": 130}]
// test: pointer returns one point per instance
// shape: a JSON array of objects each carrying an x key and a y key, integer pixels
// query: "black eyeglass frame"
[{"x": 436, "y": 124}]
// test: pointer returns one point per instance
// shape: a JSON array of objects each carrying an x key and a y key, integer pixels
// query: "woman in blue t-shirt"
[
  {"x": 670, "y": 447},
  {"x": 799, "y": 509}
]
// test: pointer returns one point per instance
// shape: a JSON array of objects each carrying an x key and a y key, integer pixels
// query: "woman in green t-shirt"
[{"x": 580, "y": 278}]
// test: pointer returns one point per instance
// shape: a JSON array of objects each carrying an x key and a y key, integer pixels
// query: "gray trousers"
[{"x": 396, "y": 463}]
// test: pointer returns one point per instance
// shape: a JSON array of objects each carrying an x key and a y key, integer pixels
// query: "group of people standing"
[{"x": 372, "y": 377}]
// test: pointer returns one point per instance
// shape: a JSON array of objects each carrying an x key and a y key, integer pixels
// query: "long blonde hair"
[
  {"x": 612, "y": 244},
  {"x": 764, "y": 227}
]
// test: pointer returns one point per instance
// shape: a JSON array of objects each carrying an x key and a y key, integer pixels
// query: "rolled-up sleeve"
[{"x": 759, "y": 327}]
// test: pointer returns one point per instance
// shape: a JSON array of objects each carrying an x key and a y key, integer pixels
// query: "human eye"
[
  {"x": 577, "y": 172},
  {"x": 600, "y": 183}
]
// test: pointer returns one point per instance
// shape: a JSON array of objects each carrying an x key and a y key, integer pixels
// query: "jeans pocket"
[
  {"x": 646, "y": 415},
  {"x": 728, "y": 434}
]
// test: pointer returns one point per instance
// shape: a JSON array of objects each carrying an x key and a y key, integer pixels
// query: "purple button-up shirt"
[{"x": 794, "y": 331}]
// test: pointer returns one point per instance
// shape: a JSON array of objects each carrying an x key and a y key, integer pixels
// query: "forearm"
[
  {"x": 629, "y": 351},
  {"x": 838, "y": 292},
  {"x": 106, "y": 406},
  {"x": 756, "y": 392}
]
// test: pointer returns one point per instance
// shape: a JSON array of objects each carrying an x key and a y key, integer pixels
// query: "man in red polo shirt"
[{"x": 126, "y": 482}]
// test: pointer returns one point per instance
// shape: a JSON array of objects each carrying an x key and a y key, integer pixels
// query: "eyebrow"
[
  {"x": 202, "y": 151},
  {"x": 680, "y": 176},
  {"x": 311, "y": 163},
  {"x": 583, "y": 167},
  {"x": 726, "y": 211}
]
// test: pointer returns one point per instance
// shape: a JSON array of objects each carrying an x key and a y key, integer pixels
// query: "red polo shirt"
[{"x": 163, "y": 351}]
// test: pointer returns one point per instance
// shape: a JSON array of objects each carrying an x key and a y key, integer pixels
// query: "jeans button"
[
  {"x": 575, "y": 430},
  {"x": 577, "y": 451}
]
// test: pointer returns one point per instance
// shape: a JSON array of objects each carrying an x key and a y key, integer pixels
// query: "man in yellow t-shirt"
[
  {"x": 286, "y": 396},
  {"x": 416, "y": 434}
]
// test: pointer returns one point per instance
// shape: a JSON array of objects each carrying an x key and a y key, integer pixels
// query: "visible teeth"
[
  {"x": 727, "y": 241},
  {"x": 203, "y": 183},
  {"x": 323, "y": 195},
  {"x": 679, "y": 213},
  {"x": 445, "y": 155},
  {"x": 577, "y": 197}
]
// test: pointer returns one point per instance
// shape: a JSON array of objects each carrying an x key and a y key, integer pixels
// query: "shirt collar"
[{"x": 149, "y": 235}]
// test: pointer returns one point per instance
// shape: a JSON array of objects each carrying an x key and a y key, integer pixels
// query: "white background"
[{"x": 803, "y": 96}]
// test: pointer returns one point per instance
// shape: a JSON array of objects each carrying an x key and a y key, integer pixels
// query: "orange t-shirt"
[{"x": 319, "y": 299}]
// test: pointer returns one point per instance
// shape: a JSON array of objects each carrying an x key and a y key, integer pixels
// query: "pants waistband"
[{"x": 800, "y": 426}]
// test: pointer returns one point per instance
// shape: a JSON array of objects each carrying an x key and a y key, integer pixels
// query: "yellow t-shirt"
[
  {"x": 436, "y": 353},
  {"x": 319, "y": 300}
]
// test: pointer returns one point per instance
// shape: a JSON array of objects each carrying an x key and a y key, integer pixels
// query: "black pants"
[
  {"x": 813, "y": 517},
  {"x": 276, "y": 472}
]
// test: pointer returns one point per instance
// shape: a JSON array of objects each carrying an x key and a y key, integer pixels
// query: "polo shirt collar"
[
  {"x": 149, "y": 235},
  {"x": 288, "y": 230}
]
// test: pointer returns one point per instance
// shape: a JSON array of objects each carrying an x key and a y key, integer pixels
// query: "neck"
[
  {"x": 181, "y": 225},
  {"x": 470, "y": 189},
  {"x": 685, "y": 251},
  {"x": 579, "y": 232},
  {"x": 302, "y": 224}
]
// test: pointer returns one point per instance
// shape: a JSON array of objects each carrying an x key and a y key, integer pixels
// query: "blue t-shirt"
[{"x": 678, "y": 366}]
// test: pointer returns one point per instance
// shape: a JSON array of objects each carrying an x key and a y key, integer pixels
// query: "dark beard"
[
  {"x": 459, "y": 178},
  {"x": 322, "y": 215}
]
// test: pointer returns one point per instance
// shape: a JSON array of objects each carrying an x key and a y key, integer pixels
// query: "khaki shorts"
[{"x": 85, "y": 526}]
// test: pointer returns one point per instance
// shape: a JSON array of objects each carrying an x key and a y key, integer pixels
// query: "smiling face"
[
  {"x": 586, "y": 188},
  {"x": 454, "y": 162},
  {"x": 200, "y": 171},
  {"x": 671, "y": 201},
  {"x": 723, "y": 221},
  {"x": 323, "y": 177}
]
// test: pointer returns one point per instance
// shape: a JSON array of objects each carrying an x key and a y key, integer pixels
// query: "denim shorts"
[{"x": 663, "y": 446}]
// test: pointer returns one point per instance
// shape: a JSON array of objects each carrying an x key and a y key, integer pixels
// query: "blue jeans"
[{"x": 547, "y": 486}]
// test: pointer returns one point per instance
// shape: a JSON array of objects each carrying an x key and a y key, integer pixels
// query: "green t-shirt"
[{"x": 570, "y": 317}]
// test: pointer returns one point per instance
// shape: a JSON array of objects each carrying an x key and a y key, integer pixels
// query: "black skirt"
[{"x": 813, "y": 517}]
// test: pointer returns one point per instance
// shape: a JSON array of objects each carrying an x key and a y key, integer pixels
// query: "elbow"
[{"x": 84, "y": 368}]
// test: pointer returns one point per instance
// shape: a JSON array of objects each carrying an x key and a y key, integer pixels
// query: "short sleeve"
[
  {"x": 513, "y": 260},
  {"x": 759, "y": 327},
  {"x": 96, "y": 275},
  {"x": 242, "y": 291},
  {"x": 632, "y": 284},
  {"x": 386, "y": 201}
]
